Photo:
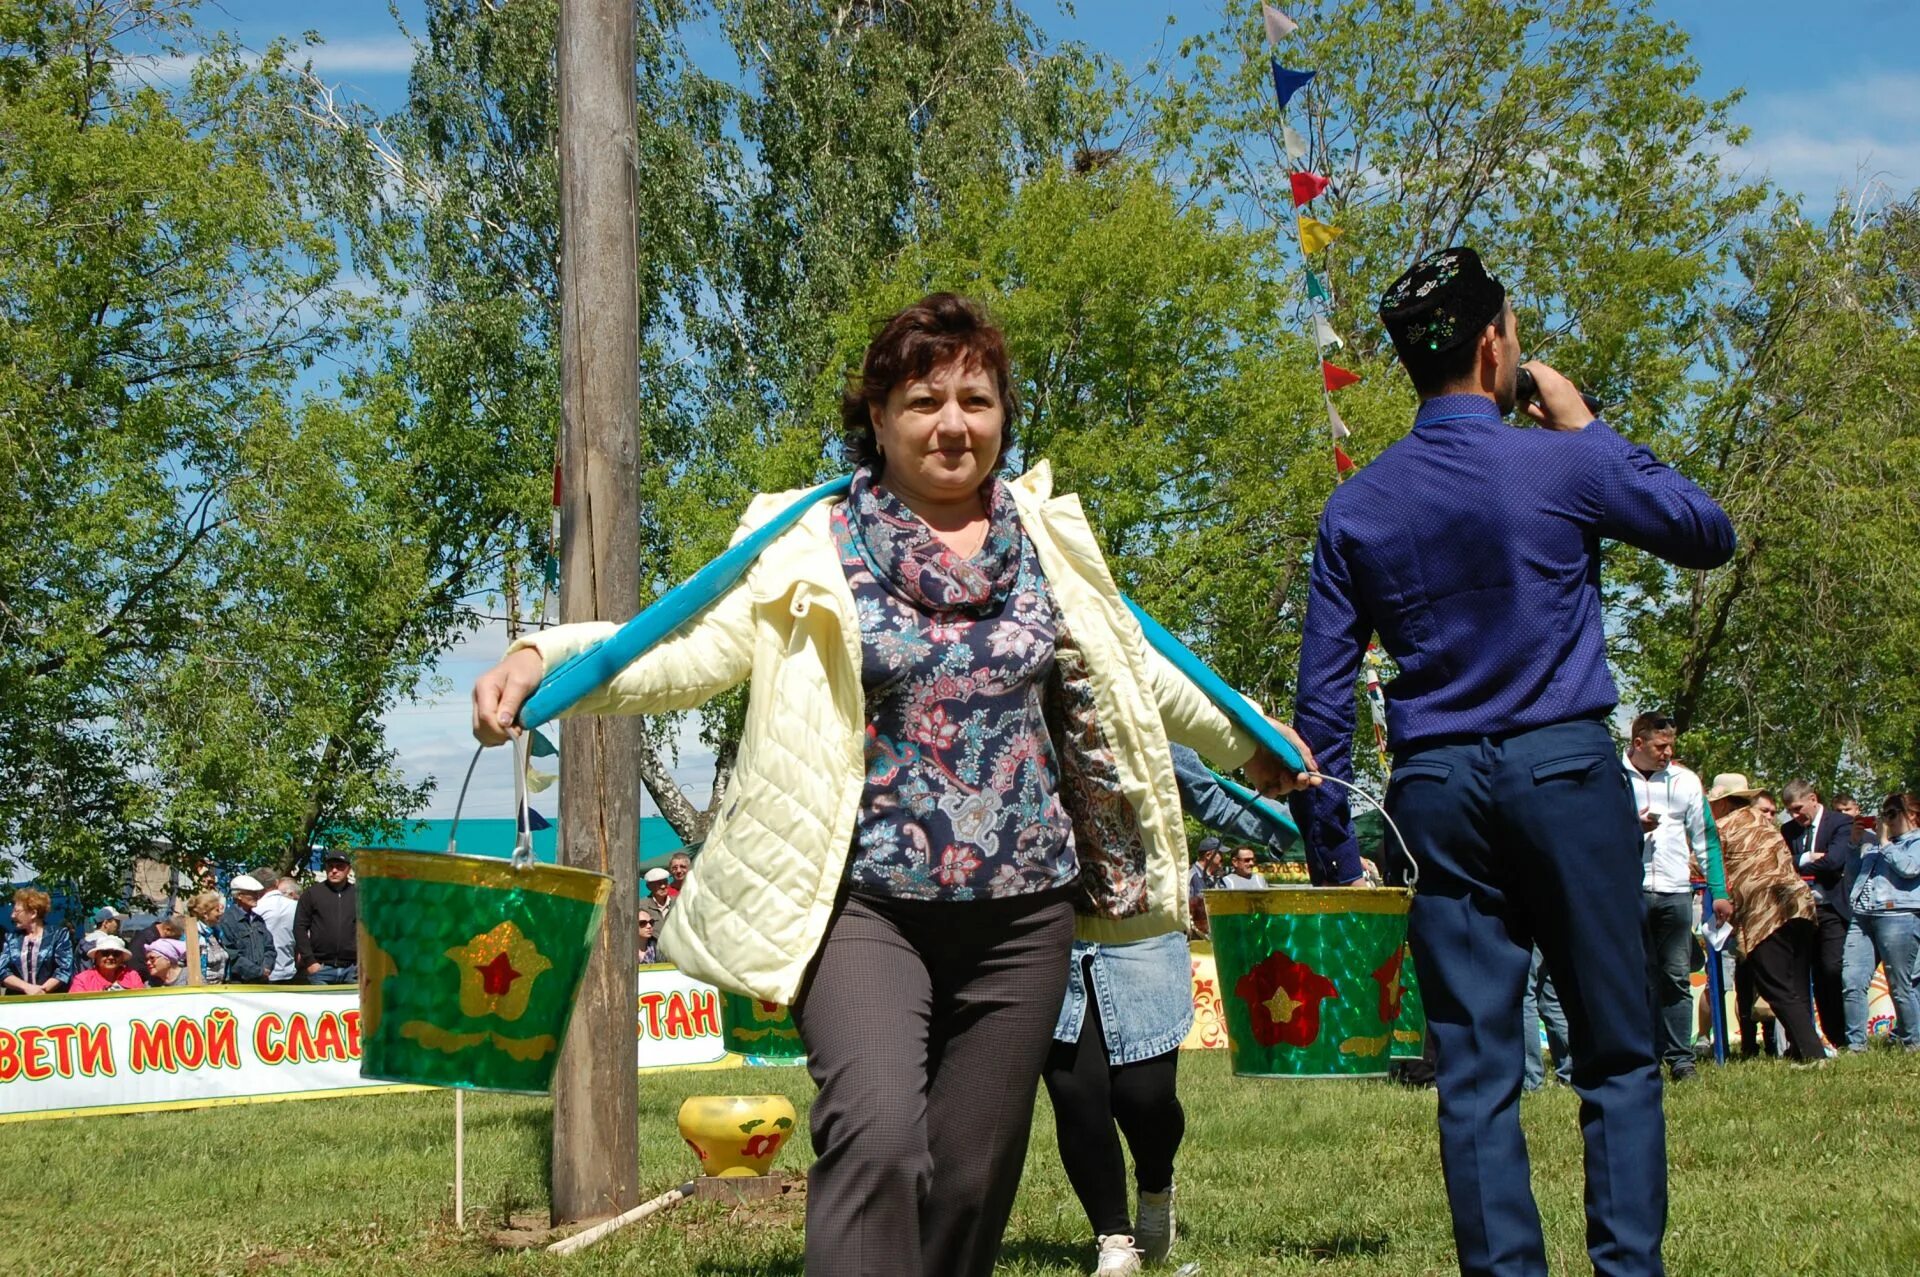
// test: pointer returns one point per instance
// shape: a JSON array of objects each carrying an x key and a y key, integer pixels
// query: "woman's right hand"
[{"x": 501, "y": 691}]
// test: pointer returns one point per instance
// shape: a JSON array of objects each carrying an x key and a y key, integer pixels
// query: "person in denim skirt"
[
  {"x": 1886, "y": 923},
  {"x": 1116, "y": 1051}
]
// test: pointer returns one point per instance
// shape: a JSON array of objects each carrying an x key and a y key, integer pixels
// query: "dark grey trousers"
[{"x": 926, "y": 1025}]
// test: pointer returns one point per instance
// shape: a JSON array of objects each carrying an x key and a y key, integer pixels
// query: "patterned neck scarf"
[{"x": 919, "y": 568}]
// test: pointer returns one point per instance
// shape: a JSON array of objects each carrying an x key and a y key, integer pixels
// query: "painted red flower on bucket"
[
  {"x": 1392, "y": 991},
  {"x": 1283, "y": 998}
]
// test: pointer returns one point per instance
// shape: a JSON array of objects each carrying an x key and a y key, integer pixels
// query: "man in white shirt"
[
  {"x": 1672, "y": 805},
  {"x": 276, "y": 909}
]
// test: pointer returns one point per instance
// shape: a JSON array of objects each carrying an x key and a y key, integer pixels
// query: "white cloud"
[
  {"x": 381, "y": 55},
  {"x": 1852, "y": 134}
]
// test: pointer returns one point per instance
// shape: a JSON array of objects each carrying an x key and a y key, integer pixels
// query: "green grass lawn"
[{"x": 1774, "y": 1170}]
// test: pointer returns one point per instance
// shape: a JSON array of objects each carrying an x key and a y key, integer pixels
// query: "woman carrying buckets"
[{"x": 956, "y": 739}]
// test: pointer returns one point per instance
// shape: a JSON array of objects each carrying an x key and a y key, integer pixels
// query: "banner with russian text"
[{"x": 64, "y": 1056}]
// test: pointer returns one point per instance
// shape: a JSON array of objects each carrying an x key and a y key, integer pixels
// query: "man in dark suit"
[{"x": 1821, "y": 840}]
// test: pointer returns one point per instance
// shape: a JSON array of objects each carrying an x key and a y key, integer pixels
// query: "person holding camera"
[{"x": 1473, "y": 550}]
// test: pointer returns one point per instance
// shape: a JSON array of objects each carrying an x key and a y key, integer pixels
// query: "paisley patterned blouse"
[{"x": 962, "y": 795}]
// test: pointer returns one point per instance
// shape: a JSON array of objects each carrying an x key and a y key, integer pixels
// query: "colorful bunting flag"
[
  {"x": 1315, "y": 289},
  {"x": 1334, "y": 423},
  {"x": 1287, "y": 83},
  {"x": 1324, "y": 335},
  {"x": 1316, "y": 235},
  {"x": 1279, "y": 25},
  {"x": 533, "y": 823},
  {"x": 1335, "y": 376},
  {"x": 1305, "y": 187},
  {"x": 1342, "y": 463},
  {"x": 1296, "y": 145},
  {"x": 541, "y": 746}
]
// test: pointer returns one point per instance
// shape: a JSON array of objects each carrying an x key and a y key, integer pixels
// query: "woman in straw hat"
[{"x": 1772, "y": 910}]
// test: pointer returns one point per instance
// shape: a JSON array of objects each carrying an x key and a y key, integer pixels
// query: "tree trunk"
[{"x": 596, "y": 1089}]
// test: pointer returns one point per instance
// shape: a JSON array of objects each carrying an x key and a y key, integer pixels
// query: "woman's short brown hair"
[
  {"x": 939, "y": 329},
  {"x": 34, "y": 901},
  {"x": 206, "y": 902}
]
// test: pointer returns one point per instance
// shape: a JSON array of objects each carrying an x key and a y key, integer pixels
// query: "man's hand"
[
  {"x": 312, "y": 967},
  {"x": 1556, "y": 404},
  {"x": 501, "y": 691},
  {"x": 1270, "y": 776},
  {"x": 1649, "y": 820},
  {"x": 1723, "y": 910}
]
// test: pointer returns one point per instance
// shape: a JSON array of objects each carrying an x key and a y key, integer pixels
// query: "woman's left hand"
[{"x": 1272, "y": 777}]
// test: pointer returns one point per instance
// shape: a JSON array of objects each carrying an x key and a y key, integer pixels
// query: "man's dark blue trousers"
[{"x": 1532, "y": 838}]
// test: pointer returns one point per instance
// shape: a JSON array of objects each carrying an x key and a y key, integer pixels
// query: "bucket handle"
[
  {"x": 523, "y": 838},
  {"x": 1413, "y": 866}
]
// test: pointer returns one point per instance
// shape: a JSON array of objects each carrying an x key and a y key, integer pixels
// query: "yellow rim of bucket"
[
  {"x": 1300, "y": 900},
  {"x": 485, "y": 871}
]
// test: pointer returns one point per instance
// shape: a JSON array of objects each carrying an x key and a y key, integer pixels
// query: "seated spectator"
[
  {"x": 657, "y": 901},
  {"x": 649, "y": 943},
  {"x": 1244, "y": 876},
  {"x": 109, "y": 971},
  {"x": 106, "y": 922},
  {"x": 37, "y": 959},
  {"x": 679, "y": 865},
  {"x": 166, "y": 962},
  {"x": 207, "y": 908}
]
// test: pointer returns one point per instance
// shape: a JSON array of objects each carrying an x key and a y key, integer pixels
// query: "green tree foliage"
[
  {"x": 213, "y": 581},
  {"x": 1798, "y": 659}
]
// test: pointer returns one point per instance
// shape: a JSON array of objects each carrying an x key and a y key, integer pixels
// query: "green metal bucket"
[
  {"x": 469, "y": 966},
  {"x": 1311, "y": 978},
  {"x": 749, "y": 1026}
]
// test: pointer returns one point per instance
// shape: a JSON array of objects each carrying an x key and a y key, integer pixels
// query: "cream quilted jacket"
[{"x": 756, "y": 906}]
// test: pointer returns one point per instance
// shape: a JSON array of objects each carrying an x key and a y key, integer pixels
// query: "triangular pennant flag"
[
  {"x": 539, "y": 781},
  {"x": 1296, "y": 145},
  {"x": 1334, "y": 422},
  {"x": 1305, "y": 186},
  {"x": 533, "y": 823},
  {"x": 541, "y": 746},
  {"x": 1315, "y": 235},
  {"x": 1287, "y": 83},
  {"x": 1279, "y": 25},
  {"x": 1315, "y": 289},
  {"x": 1323, "y": 334},
  {"x": 1342, "y": 463},
  {"x": 1335, "y": 376}
]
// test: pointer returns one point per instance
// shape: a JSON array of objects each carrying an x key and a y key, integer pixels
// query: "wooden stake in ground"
[{"x": 596, "y": 1090}]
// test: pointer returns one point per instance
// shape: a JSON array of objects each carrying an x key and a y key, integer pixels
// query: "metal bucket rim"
[
  {"x": 490, "y": 872},
  {"x": 1307, "y": 900}
]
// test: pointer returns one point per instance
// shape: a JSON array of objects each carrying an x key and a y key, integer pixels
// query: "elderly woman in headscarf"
[
  {"x": 956, "y": 742},
  {"x": 1773, "y": 911},
  {"x": 167, "y": 961}
]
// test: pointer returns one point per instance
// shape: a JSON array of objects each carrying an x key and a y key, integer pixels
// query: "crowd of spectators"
[{"x": 255, "y": 934}]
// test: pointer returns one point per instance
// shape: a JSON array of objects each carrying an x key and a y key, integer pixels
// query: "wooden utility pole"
[{"x": 596, "y": 1090}]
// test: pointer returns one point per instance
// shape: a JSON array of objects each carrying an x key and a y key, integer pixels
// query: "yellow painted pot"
[{"x": 735, "y": 1135}]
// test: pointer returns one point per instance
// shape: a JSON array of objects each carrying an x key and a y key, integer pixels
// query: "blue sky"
[{"x": 1833, "y": 101}]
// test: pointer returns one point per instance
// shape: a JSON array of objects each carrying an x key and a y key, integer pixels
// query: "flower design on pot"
[
  {"x": 1283, "y": 1000},
  {"x": 1392, "y": 991}
]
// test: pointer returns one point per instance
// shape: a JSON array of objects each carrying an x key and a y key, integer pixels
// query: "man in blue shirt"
[{"x": 1473, "y": 550}]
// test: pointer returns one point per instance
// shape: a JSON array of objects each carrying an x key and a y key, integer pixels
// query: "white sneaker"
[
  {"x": 1117, "y": 1256},
  {"x": 1154, "y": 1228}
]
